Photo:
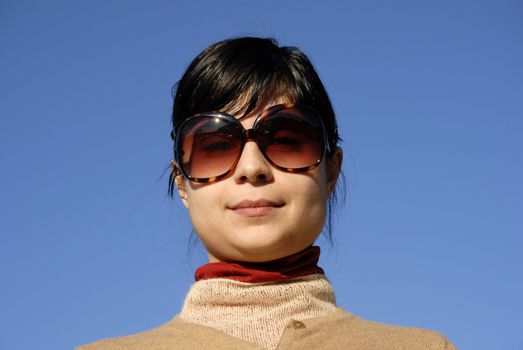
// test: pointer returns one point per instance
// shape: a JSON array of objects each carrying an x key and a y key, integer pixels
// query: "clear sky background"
[{"x": 429, "y": 96}]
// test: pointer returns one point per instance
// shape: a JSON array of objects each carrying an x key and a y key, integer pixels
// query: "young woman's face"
[{"x": 259, "y": 213}]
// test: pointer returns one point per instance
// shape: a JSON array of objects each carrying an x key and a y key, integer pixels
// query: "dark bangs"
[{"x": 240, "y": 75}]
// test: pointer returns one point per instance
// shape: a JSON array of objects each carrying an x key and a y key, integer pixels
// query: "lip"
[{"x": 258, "y": 207}]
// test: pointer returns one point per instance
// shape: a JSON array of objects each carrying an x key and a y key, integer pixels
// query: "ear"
[
  {"x": 180, "y": 185},
  {"x": 181, "y": 189},
  {"x": 334, "y": 168}
]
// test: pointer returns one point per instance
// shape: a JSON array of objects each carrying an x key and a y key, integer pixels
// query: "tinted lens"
[
  {"x": 208, "y": 146},
  {"x": 292, "y": 138}
]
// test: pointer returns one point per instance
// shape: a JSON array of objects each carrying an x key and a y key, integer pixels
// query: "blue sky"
[{"x": 429, "y": 96}]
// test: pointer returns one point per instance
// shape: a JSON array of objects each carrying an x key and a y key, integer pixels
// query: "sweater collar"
[
  {"x": 297, "y": 265},
  {"x": 257, "y": 312}
]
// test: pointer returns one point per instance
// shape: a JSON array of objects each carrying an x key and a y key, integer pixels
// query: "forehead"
[{"x": 248, "y": 119}]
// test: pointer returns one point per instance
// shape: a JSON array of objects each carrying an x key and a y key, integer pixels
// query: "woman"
[{"x": 256, "y": 160}]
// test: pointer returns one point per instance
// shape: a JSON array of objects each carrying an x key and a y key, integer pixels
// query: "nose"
[{"x": 252, "y": 167}]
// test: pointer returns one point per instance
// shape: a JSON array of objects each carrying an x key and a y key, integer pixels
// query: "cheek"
[
  {"x": 314, "y": 205},
  {"x": 317, "y": 197},
  {"x": 316, "y": 190},
  {"x": 194, "y": 207},
  {"x": 202, "y": 206},
  {"x": 308, "y": 197}
]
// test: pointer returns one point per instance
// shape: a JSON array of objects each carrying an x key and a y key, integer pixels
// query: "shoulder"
[
  {"x": 141, "y": 340},
  {"x": 364, "y": 334},
  {"x": 337, "y": 330},
  {"x": 175, "y": 334}
]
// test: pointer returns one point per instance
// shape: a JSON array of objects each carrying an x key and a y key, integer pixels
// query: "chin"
[{"x": 266, "y": 252}]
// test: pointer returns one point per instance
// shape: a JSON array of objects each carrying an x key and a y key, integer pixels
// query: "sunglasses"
[{"x": 209, "y": 145}]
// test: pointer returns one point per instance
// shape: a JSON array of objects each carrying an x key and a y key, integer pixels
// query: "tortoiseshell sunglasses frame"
[{"x": 248, "y": 135}]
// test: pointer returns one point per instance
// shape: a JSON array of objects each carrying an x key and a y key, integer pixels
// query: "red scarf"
[{"x": 297, "y": 265}]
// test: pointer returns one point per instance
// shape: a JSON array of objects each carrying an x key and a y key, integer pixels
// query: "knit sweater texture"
[
  {"x": 257, "y": 313},
  {"x": 296, "y": 314}
]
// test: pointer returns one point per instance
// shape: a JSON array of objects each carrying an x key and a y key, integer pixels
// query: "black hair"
[{"x": 245, "y": 73}]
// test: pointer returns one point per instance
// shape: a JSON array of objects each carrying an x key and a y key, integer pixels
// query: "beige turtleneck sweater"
[
  {"x": 298, "y": 314},
  {"x": 257, "y": 312}
]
